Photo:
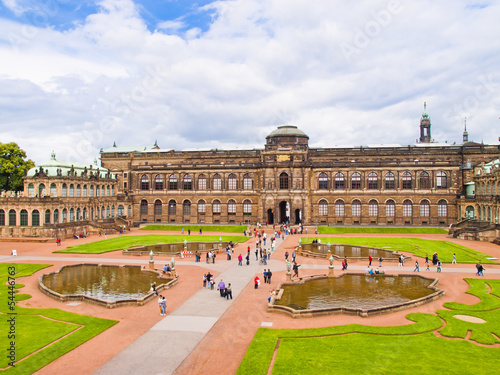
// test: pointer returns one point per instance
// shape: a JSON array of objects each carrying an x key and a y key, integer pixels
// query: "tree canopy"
[{"x": 13, "y": 166}]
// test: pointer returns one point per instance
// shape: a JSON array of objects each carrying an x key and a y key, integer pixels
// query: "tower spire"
[
  {"x": 425, "y": 126},
  {"x": 465, "y": 135}
]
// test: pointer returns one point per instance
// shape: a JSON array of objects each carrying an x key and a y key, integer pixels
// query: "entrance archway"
[
  {"x": 298, "y": 216},
  {"x": 284, "y": 212},
  {"x": 270, "y": 216},
  {"x": 469, "y": 212}
]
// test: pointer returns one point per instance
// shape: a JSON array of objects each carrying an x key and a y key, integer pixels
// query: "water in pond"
[
  {"x": 110, "y": 283},
  {"x": 355, "y": 291},
  {"x": 178, "y": 247},
  {"x": 341, "y": 251}
]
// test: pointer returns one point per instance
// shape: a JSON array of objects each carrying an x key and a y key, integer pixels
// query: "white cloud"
[{"x": 259, "y": 63}]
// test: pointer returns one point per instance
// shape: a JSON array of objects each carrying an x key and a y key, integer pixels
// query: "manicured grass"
[
  {"x": 38, "y": 329},
  {"x": 409, "y": 349},
  {"x": 125, "y": 242},
  {"x": 196, "y": 228},
  {"x": 342, "y": 230},
  {"x": 419, "y": 247},
  {"x": 479, "y": 288}
]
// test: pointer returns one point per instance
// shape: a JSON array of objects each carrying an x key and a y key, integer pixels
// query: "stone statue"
[
  {"x": 288, "y": 266},
  {"x": 172, "y": 263},
  {"x": 151, "y": 255},
  {"x": 331, "y": 261}
]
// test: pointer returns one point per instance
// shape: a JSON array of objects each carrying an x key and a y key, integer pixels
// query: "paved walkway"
[{"x": 167, "y": 344}]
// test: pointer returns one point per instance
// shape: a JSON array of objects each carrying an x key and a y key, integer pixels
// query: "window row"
[
  {"x": 73, "y": 191},
  {"x": 201, "y": 207},
  {"x": 488, "y": 188},
  {"x": 374, "y": 181},
  {"x": 187, "y": 182},
  {"x": 61, "y": 216},
  {"x": 390, "y": 208}
]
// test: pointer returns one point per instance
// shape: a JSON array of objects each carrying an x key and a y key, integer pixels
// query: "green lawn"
[
  {"x": 407, "y": 349},
  {"x": 37, "y": 330},
  {"x": 419, "y": 247},
  {"x": 342, "y": 230},
  {"x": 196, "y": 228},
  {"x": 125, "y": 242}
]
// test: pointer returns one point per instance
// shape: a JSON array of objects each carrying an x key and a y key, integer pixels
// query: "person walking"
[
  {"x": 427, "y": 268},
  {"x": 370, "y": 260},
  {"x": 222, "y": 288},
  {"x": 240, "y": 260},
  {"x": 164, "y": 305},
  {"x": 295, "y": 269},
  {"x": 269, "y": 274},
  {"x": 229, "y": 291},
  {"x": 213, "y": 257},
  {"x": 438, "y": 266},
  {"x": 265, "y": 276},
  {"x": 454, "y": 261},
  {"x": 417, "y": 269},
  {"x": 480, "y": 270},
  {"x": 153, "y": 287},
  {"x": 380, "y": 261},
  {"x": 248, "y": 258},
  {"x": 160, "y": 304},
  {"x": 204, "y": 280},
  {"x": 256, "y": 281}
]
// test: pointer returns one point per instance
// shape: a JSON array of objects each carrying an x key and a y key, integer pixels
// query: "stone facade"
[{"x": 287, "y": 180}]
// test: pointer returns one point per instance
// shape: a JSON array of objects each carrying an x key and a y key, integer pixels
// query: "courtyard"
[{"x": 205, "y": 333}]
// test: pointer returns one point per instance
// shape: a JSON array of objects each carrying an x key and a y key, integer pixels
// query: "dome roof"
[{"x": 287, "y": 130}]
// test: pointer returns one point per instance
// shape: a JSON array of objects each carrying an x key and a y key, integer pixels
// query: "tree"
[{"x": 13, "y": 166}]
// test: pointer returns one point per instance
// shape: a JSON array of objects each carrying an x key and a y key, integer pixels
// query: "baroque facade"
[
  {"x": 289, "y": 181},
  {"x": 62, "y": 199}
]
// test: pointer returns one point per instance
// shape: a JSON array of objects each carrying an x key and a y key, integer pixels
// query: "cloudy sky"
[{"x": 78, "y": 75}]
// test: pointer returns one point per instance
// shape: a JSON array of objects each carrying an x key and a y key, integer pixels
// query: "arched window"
[
  {"x": 187, "y": 183},
  {"x": 202, "y": 207},
  {"x": 113, "y": 190},
  {"x": 24, "y": 218},
  {"x": 231, "y": 207},
  {"x": 64, "y": 215},
  {"x": 71, "y": 190},
  {"x": 12, "y": 218},
  {"x": 406, "y": 180},
  {"x": 247, "y": 207},
  {"x": 84, "y": 214},
  {"x": 2, "y": 218},
  {"x": 216, "y": 207},
  {"x": 373, "y": 208},
  {"x": 442, "y": 181},
  {"x": 158, "y": 182},
  {"x": 356, "y": 207},
  {"x": 372, "y": 181},
  {"x": 284, "y": 181},
  {"x": 107, "y": 212},
  {"x": 202, "y": 182},
  {"x": 121, "y": 210},
  {"x": 97, "y": 213},
  {"x": 390, "y": 181},
  {"x": 102, "y": 212},
  {"x": 186, "y": 208},
  {"x": 356, "y": 181},
  {"x": 339, "y": 208},
  {"x": 108, "y": 191},
  {"x": 232, "y": 182},
  {"x": 247, "y": 182},
  {"x": 144, "y": 207},
  {"x": 91, "y": 190},
  {"x": 97, "y": 191},
  {"x": 425, "y": 182},
  {"x": 41, "y": 190},
  {"x": 443, "y": 208},
  {"x": 425, "y": 208},
  {"x": 35, "y": 218},
  {"x": 78, "y": 214},
  {"x": 53, "y": 190},
  {"x": 144, "y": 182},
  {"x": 339, "y": 181},
  {"x": 323, "y": 181},
  {"x": 172, "y": 182},
  {"x": 323, "y": 208},
  {"x": 31, "y": 190},
  {"x": 84, "y": 191},
  {"x": 64, "y": 191},
  {"x": 172, "y": 207},
  {"x": 390, "y": 208},
  {"x": 157, "y": 207},
  {"x": 102, "y": 191},
  {"x": 217, "y": 182},
  {"x": 129, "y": 211},
  {"x": 71, "y": 215},
  {"x": 56, "y": 216},
  {"x": 407, "y": 208}
]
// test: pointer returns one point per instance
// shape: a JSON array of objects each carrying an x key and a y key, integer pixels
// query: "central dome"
[{"x": 287, "y": 136}]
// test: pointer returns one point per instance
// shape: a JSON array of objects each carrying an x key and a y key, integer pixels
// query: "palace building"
[
  {"x": 289, "y": 181},
  {"x": 427, "y": 183}
]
